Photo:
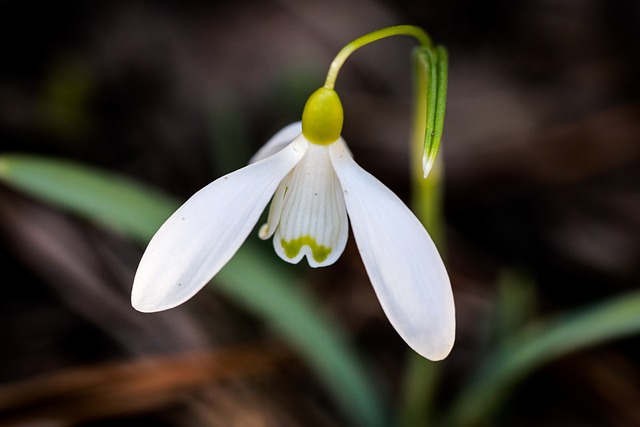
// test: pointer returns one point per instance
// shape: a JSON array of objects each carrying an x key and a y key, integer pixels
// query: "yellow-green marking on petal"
[{"x": 292, "y": 248}]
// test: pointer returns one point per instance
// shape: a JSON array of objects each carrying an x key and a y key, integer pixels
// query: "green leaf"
[
  {"x": 108, "y": 199},
  {"x": 257, "y": 283},
  {"x": 431, "y": 74},
  {"x": 515, "y": 303},
  {"x": 538, "y": 345},
  {"x": 260, "y": 285}
]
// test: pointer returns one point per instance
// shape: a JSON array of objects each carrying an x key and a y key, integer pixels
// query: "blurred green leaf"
[
  {"x": 515, "y": 304},
  {"x": 108, "y": 199},
  {"x": 259, "y": 284},
  {"x": 537, "y": 346}
]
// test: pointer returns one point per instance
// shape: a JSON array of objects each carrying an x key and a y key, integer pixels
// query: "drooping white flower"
[{"x": 314, "y": 185}]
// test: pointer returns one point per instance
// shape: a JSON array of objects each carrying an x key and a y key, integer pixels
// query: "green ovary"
[
  {"x": 292, "y": 248},
  {"x": 322, "y": 117}
]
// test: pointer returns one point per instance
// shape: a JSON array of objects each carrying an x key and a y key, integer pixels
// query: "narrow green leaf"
[
  {"x": 108, "y": 199},
  {"x": 258, "y": 284},
  {"x": 538, "y": 345},
  {"x": 515, "y": 304},
  {"x": 265, "y": 290},
  {"x": 431, "y": 73},
  {"x": 441, "y": 99},
  {"x": 425, "y": 76}
]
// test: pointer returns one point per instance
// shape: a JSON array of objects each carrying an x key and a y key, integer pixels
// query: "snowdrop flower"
[{"x": 315, "y": 188}]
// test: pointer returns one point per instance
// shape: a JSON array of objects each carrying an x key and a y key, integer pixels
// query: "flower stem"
[
  {"x": 398, "y": 30},
  {"x": 422, "y": 378}
]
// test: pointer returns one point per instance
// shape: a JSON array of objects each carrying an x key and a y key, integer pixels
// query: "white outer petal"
[
  {"x": 278, "y": 141},
  {"x": 403, "y": 264},
  {"x": 206, "y": 231}
]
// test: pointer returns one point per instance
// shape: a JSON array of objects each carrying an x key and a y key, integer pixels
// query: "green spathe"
[{"x": 292, "y": 248}]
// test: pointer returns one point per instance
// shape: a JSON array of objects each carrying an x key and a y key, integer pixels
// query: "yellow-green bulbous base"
[{"x": 322, "y": 117}]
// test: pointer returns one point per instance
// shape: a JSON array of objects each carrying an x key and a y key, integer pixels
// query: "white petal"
[
  {"x": 278, "y": 141},
  {"x": 313, "y": 220},
  {"x": 275, "y": 210},
  {"x": 206, "y": 231},
  {"x": 403, "y": 264}
]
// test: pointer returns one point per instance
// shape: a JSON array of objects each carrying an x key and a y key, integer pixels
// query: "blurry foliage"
[{"x": 541, "y": 156}]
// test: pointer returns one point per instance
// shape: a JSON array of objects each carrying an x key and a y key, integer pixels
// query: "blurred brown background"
[{"x": 541, "y": 152}]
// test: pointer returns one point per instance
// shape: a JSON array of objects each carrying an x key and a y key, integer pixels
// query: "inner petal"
[
  {"x": 313, "y": 221},
  {"x": 275, "y": 210}
]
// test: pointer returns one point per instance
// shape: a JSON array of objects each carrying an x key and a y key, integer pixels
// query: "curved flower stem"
[
  {"x": 430, "y": 64},
  {"x": 398, "y": 30}
]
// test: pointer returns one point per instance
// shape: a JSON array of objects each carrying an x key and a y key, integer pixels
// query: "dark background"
[{"x": 541, "y": 153}]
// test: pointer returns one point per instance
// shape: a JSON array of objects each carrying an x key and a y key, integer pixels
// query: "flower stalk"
[{"x": 345, "y": 52}]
